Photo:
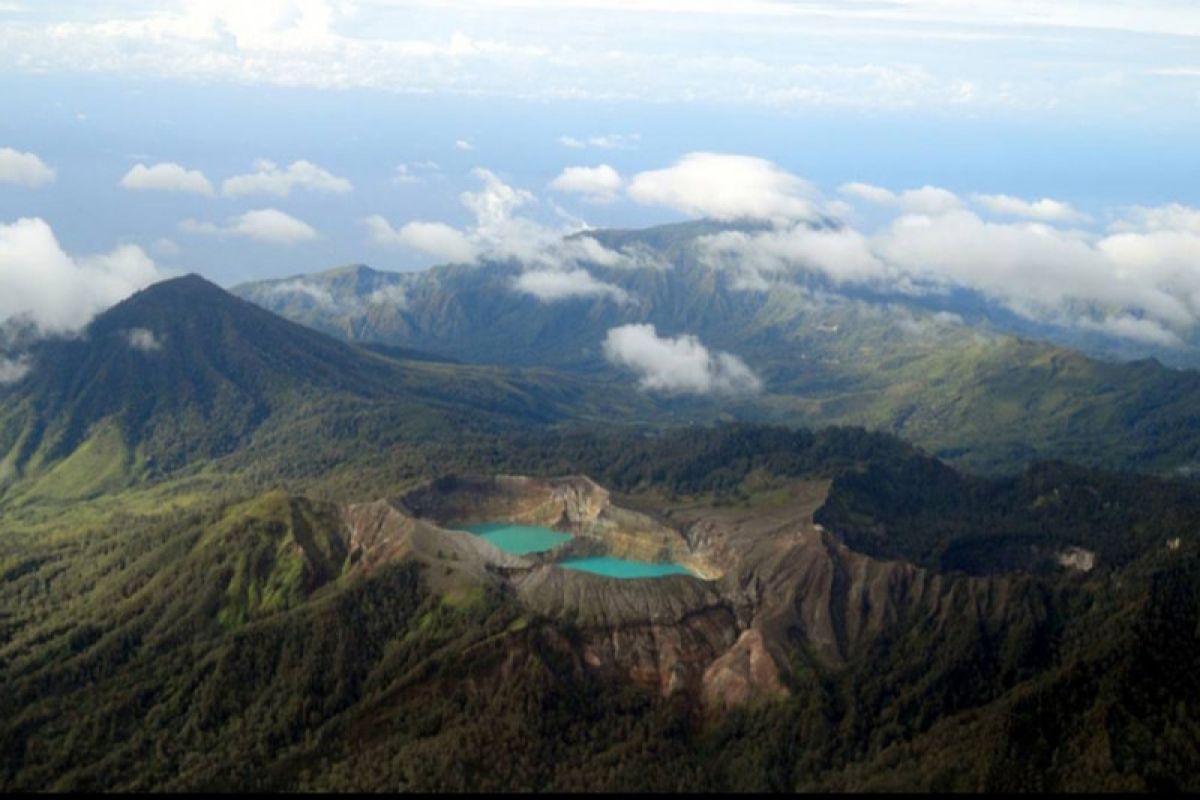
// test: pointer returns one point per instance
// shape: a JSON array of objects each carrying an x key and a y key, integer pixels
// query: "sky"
[{"x": 251, "y": 140}]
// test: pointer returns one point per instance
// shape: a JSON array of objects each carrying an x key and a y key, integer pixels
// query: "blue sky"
[{"x": 393, "y": 107}]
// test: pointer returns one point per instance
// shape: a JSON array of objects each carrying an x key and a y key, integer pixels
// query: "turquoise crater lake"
[
  {"x": 623, "y": 568},
  {"x": 519, "y": 540}
]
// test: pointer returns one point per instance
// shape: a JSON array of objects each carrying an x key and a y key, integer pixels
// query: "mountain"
[
  {"x": 184, "y": 372},
  {"x": 957, "y": 383}
]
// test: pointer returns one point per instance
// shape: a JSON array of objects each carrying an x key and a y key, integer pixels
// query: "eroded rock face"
[
  {"x": 740, "y": 674},
  {"x": 564, "y": 503}
]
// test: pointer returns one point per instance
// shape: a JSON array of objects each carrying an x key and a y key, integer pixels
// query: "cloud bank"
[
  {"x": 1140, "y": 281},
  {"x": 679, "y": 364},
  {"x": 861, "y": 55}
]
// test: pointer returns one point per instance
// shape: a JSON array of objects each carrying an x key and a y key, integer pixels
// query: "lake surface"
[
  {"x": 519, "y": 540},
  {"x": 623, "y": 568}
]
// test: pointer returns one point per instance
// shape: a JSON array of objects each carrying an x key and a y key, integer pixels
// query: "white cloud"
[
  {"x": 611, "y": 141},
  {"x": 929, "y": 200},
  {"x": 13, "y": 370},
  {"x": 677, "y": 364},
  {"x": 143, "y": 339},
  {"x": 268, "y": 178},
  {"x": 415, "y": 172},
  {"x": 166, "y": 177},
  {"x": 497, "y": 226},
  {"x": 318, "y": 296},
  {"x": 1140, "y": 282},
  {"x": 596, "y": 184},
  {"x": 464, "y": 145},
  {"x": 393, "y": 295},
  {"x": 435, "y": 238},
  {"x": 892, "y": 56},
  {"x": 272, "y": 225},
  {"x": 843, "y": 254},
  {"x": 549, "y": 285},
  {"x": 1045, "y": 273},
  {"x": 264, "y": 225},
  {"x": 164, "y": 246},
  {"x": 60, "y": 293},
  {"x": 1033, "y": 267},
  {"x": 1172, "y": 217},
  {"x": 1127, "y": 326},
  {"x": 554, "y": 261},
  {"x": 306, "y": 294},
  {"x": 925, "y": 200},
  {"x": 1045, "y": 209},
  {"x": 870, "y": 193},
  {"x": 404, "y": 174},
  {"x": 726, "y": 187},
  {"x": 23, "y": 169}
]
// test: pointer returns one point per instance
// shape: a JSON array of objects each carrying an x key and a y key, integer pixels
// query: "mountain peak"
[
  {"x": 349, "y": 270},
  {"x": 190, "y": 285},
  {"x": 165, "y": 302},
  {"x": 187, "y": 283}
]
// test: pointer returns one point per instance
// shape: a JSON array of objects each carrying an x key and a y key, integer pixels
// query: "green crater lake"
[
  {"x": 519, "y": 540},
  {"x": 623, "y": 568}
]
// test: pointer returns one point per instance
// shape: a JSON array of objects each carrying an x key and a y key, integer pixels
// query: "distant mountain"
[
  {"x": 950, "y": 377},
  {"x": 184, "y": 371}
]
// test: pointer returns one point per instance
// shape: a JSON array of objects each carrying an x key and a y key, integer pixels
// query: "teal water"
[
  {"x": 622, "y": 568},
  {"x": 519, "y": 540}
]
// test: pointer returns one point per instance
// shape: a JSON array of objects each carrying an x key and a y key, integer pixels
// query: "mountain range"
[{"x": 954, "y": 378}]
